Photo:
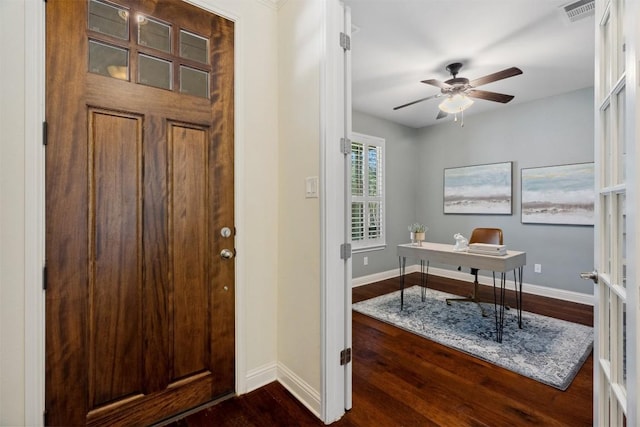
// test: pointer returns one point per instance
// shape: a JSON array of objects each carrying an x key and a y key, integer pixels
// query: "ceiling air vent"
[{"x": 577, "y": 10}]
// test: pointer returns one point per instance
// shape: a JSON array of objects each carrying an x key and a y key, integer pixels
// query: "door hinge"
[
  {"x": 345, "y": 145},
  {"x": 44, "y": 278},
  {"x": 45, "y": 134},
  {"x": 345, "y": 251},
  {"x": 345, "y": 356},
  {"x": 345, "y": 41}
]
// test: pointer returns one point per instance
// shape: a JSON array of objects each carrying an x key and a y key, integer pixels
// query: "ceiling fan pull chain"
[{"x": 462, "y": 119}]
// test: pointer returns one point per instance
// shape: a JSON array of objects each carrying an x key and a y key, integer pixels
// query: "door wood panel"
[
  {"x": 189, "y": 241},
  {"x": 139, "y": 181},
  {"x": 115, "y": 256}
]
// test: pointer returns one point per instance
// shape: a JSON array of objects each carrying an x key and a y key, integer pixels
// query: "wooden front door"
[{"x": 139, "y": 207}]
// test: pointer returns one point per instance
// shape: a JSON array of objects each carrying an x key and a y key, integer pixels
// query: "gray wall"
[{"x": 550, "y": 131}]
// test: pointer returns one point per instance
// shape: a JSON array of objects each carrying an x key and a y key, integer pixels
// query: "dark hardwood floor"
[{"x": 400, "y": 379}]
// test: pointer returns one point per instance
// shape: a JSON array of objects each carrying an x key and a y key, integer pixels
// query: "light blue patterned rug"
[{"x": 548, "y": 350}]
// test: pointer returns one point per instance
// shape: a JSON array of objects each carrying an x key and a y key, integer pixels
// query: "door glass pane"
[
  {"x": 622, "y": 345},
  {"x": 606, "y": 233},
  {"x": 606, "y": 57},
  {"x": 194, "y": 47},
  {"x": 606, "y": 162},
  {"x": 605, "y": 350},
  {"x": 621, "y": 48},
  {"x": 194, "y": 82},
  {"x": 108, "y": 60},
  {"x": 620, "y": 135},
  {"x": 109, "y": 19},
  {"x": 155, "y": 34},
  {"x": 154, "y": 72},
  {"x": 621, "y": 236}
]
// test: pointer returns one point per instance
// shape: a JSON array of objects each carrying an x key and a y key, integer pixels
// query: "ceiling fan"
[{"x": 458, "y": 90}]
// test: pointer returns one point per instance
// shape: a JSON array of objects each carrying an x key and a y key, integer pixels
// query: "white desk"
[{"x": 444, "y": 253}]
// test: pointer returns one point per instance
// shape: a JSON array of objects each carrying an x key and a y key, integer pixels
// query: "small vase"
[{"x": 417, "y": 238}]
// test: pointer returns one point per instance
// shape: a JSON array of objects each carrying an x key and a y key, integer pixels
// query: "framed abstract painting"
[
  {"x": 562, "y": 194},
  {"x": 481, "y": 189}
]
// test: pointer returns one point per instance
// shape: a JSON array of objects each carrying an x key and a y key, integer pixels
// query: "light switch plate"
[{"x": 311, "y": 187}]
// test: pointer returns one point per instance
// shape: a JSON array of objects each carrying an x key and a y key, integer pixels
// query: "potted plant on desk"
[{"x": 417, "y": 233}]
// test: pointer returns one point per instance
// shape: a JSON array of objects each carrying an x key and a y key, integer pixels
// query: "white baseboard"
[
  {"x": 527, "y": 288},
  {"x": 306, "y": 394},
  {"x": 261, "y": 376},
  {"x": 372, "y": 278}
]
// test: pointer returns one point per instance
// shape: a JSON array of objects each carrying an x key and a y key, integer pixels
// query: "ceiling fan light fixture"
[{"x": 455, "y": 104}]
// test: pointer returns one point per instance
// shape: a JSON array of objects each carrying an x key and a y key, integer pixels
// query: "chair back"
[{"x": 486, "y": 235}]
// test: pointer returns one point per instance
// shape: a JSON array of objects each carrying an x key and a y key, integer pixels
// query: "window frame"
[{"x": 378, "y": 243}]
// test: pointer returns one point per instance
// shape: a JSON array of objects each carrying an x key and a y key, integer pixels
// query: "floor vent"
[{"x": 577, "y": 10}]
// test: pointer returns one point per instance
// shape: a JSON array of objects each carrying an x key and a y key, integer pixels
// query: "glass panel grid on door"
[
  {"x": 147, "y": 54},
  {"x": 610, "y": 366}
]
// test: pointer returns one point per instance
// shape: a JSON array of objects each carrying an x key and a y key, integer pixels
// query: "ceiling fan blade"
[
  {"x": 489, "y": 96},
  {"x": 441, "y": 114},
  {"x": 415, "y": 102},
  {"x": 437, "y": 83},
  {"x": 509, "y": 72}
]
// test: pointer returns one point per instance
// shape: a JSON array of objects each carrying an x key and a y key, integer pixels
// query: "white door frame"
[
  {"x": 34, "y": 345},
  {"x": 335, "y": 281}
]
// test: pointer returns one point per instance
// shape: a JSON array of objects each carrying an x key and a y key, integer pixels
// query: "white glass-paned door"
[{"x": 617, "y": 303}]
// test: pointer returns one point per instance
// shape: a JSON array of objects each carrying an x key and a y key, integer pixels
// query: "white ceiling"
[{"x": 398, "y": 43}]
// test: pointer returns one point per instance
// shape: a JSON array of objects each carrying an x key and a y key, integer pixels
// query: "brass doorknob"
[{"x": 226, "y": 254}]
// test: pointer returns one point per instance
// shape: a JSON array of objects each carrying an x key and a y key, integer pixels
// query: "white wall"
[
  {"x": 257, "y": 165},
  {"x": 299, "y": 341},
  {"x": 12, "y": 213}
]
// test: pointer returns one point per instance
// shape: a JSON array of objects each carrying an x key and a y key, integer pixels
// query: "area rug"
[{"x": 545, "y": 349}]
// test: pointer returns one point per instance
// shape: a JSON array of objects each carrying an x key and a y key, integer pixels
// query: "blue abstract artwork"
[
  {"x": 481, "y": 189},
  {"x": 558, "y": 194}
]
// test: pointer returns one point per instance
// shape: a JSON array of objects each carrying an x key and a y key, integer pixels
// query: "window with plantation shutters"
[{"x": 367, "y": 192}]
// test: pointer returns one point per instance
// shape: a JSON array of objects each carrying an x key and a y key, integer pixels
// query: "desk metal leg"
[
  {"x": 424, "y": 280},
  {"x": 402, "y": 261},
  {"x": 517, "y": 282},
  {"x": 499, "y": 306}
]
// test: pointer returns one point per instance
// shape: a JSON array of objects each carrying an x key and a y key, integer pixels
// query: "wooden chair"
[{"x": 479, "y": 235}]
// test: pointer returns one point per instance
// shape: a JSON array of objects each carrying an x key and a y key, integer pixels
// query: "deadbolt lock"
[{"x": 225, "y": 232}]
